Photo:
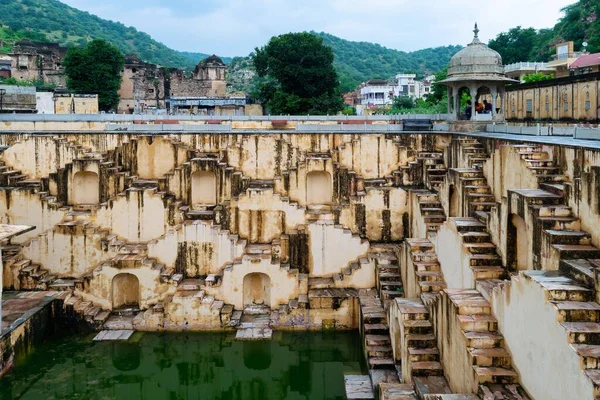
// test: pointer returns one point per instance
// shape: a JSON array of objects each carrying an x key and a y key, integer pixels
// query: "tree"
[
  {"x": 298, "y": 74},
  {"x": 537, "y": 77},
  {"x": 516, "y": 45},
  {"x": 95, "y": 69},
  {"x": 403, "y": 103},
  {"x": 439, "y": 93}
]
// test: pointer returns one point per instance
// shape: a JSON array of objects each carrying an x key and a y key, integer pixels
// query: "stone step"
[
  {"x": 577, "y": 311},
  {"x": 589, "y": 355},
  {"x": 484, "y": 340},
  {"x": 478, "y": 323},
  {"x": 423, "y": 354},
  {"x": 417, "y": 326},
  {"x": 473, "y": 190},
  {"x": 432, "y": 286},
  {"x": 495, "y": 375},
  {"x": 376, "y": 329},
  {"x": 484, "y": 259},
  {"x": 381, "y": 362},
  {"x": 379, "y": 351},
  {"x": 581, "y": 270},
  {"x": 422, "y": 341},
  {"x": 553, "y": 187},
  {"x": 480, "y": 248},
  {"x": 426, "y": 368},
  {"x": 427, "y": 266},
  {"x": 570, "y": 251},
  {"x": 486, "y": 272},
  {"x": 468, "y": 225},
  {"x": 560, "y": 223},
  {"x": 490, "y": 357},
  {"x": 481, "y": 206},
  {"x": 430, "y": 276},
  {"x": 377, "y": 340},
  {"x": 582, "y": 332},
  {"x": 475, "y": 237},
  {"x": 567, "y": 237}
]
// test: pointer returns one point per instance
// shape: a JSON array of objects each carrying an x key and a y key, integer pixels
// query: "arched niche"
[
  {"x": 204, "y": 188},
  {"x": 453, "y": 201},
  {"x": 257, "y": 289},
  {"x": 86, "y": 188},
  {"x": 125, "y": 291},
  {"x": 518, "y": 243},
  {"x": 319, "y": 187}
]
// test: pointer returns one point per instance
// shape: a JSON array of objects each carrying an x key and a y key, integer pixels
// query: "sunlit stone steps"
[
  {"x": 483, "y": 343},
  {"x": 579, "y": 314},
  {"x": 483, "y": 258},
  {"x": 426, "y": 267}
]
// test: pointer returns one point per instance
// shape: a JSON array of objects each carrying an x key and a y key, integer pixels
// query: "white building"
[{"x": 377, "y": 93}]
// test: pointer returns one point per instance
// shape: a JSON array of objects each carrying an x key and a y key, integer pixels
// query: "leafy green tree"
[
  {"x": 300, "y": 75},
  {"x": 537, "y": 77},
  {"x": 95, "y": 69},
  {"x": 403, "y": 103},
  {"x": 439, "y": 93},
  {"x": 516, "y": 45}
]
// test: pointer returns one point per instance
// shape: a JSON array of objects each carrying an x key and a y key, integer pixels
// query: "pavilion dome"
[{"x": 476, "y": 61}]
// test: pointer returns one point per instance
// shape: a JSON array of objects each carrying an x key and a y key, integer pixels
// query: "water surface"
[{"x": 188, "y": 366}]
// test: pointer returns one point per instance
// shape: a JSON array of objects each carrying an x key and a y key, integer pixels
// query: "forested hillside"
[
  {"x": 358, "y": 62},
  {"x": 69, "y": 26}
]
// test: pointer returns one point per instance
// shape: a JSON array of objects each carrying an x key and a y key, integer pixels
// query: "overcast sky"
[{"x": 236, "y": 27}]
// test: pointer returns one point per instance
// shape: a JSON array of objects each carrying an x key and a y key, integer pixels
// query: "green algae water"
[{"x": 307, "y": 365}]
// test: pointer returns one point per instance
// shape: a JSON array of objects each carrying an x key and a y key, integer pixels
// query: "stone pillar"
[
  {"x": 450, "y": 91},
  {"x": 456, "y": 92},
  {"x": 494, "y": 91},
  {"x": 1, "y": 283},
  {"x": 473, "y": 90}
]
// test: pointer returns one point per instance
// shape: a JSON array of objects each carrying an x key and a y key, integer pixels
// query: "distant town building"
[
  {"x": 377, "y": 93},
  {"x": 586, "y": 64},
  {"x": 38, "y": 61},
  {"x": 520, "y": 70}
]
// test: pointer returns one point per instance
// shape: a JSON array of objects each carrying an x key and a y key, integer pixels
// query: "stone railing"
[
  {"x": 577, "y": 132},
  {"x": 149, "y": 118},
  {"x": 526, "y": 66}
]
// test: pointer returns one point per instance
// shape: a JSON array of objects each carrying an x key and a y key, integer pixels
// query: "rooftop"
[{"x": 587, "y": 60}]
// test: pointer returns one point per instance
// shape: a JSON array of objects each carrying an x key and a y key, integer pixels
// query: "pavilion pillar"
[
  {"x": 473, "y": 90},
  {"x": 456, "y": 92},
  {"x": 450, "y": 93},
  {"x": 494, "y": 95}
]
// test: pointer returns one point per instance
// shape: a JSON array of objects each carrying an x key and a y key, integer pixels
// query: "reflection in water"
[
  {"x": 125, "y": 355},
  {"x": 188, "y": 366},
  {"x": 257, "y": 355}
]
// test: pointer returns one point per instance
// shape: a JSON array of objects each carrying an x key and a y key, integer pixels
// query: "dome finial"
[{"x": 476, "y": 31}]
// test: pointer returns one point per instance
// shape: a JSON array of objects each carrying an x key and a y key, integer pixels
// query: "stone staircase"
[
  {"x": 377, "y": 343},
  {"x": 387, "y": 272},
  {"x": 478, "y": 199},
  {"x": 491, "y": 362},
  {"x": 435, "y": 168},
  {"x": 432, "y": 212},
  {"x": 577, "y": 312},
  {"x": 427, "y": 270},
  {"x": 484, "y": 261},
  {"x": 420, "y": 356}
]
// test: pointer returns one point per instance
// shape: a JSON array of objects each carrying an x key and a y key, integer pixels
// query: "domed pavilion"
[{"x": 480, "y": 71}]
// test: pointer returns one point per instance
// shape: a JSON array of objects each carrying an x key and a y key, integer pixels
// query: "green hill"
[
  {"x": 51, "y": 20},
  {"x": 72, "y": 27},
  {"x": 358, "y": 62}
]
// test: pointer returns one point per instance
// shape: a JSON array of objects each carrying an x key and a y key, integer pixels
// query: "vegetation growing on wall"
[{"x": 95, "y": 69}]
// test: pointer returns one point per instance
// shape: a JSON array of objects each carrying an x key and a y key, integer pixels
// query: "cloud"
[{"x": 235, "y": 27}]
